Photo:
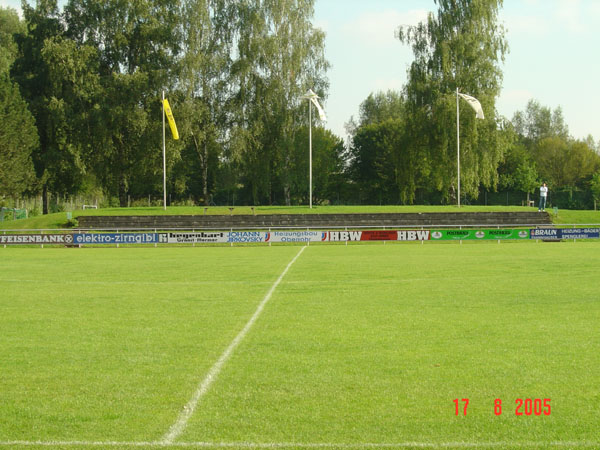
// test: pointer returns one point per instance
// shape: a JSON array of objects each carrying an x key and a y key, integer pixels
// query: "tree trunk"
[
  {"x": 45, "y": 199},
  {"x": 205, "y": 170},
  {"x": 286, "y": 194},
  {"x": 122, "y": 192},
  {"x": 255, "y": 194}
]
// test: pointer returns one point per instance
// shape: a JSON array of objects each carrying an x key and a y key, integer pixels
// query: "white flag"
[
  {"x": 474, "y": 104},
  {"x": 313, "y": 98}
]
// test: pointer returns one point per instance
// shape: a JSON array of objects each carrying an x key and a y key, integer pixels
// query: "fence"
[
  {"x": 563, "y": 199},
  {"x": 12, "y": 214}
]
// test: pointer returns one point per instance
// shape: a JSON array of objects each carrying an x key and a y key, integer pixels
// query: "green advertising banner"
[{"x": 480, "y": 235}]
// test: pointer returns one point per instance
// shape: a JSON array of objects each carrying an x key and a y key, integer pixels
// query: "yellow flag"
[{"x": 169, "y": 114}]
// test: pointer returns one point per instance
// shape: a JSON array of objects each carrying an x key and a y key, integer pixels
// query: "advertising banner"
[
  {"x": 545, "y": 233},
  {"x": 414, "y": 235},
  {"x": 378, "y": 235},
  {"x": 194, "y": 238},
  {"x": 296, "y": 236},
  {"x": 115, "y": 238},
  {"x": 580, "y": 233},
  {"x": 343, "y": 236},
  {"x": 24, "y": 239},
  {"x": 565, "y": 233},
  {"x": 231, "y": 237},
  {"x": 247, "y": 236},
  {"x": 463, "y": 235}
]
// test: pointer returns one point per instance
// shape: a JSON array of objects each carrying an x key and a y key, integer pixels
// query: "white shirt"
[{"x": 543, "y": 191}]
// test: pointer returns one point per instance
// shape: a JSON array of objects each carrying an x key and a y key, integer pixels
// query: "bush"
[
  {"x": 56, "y": 208},
  {"x": 71, "y": 223},
  {"x": 34, "y": 212}
]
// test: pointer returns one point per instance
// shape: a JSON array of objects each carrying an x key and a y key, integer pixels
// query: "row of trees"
[
  {"x": 403, "y": 145},
  {"x": 537, "y": 148},
  {"x": 80, "y": 109},
  {"x": 91, "y": 77}
]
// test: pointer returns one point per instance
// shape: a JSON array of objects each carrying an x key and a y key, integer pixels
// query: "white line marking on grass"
[
  {"x": 132, "y": 283},
  {"x": 162, "y": 444},
  {"x": 188, "y": 410}
]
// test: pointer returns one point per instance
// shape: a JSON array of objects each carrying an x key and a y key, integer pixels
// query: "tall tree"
[
  {"x": 328, "y": 166},
  {"x": 279, "y": 56},
  {"x": 518, "y": 170},
  {"x": 19, "y": 138},
  {"x": 381, "y": 163},
  {"x": 18, "y": 134},
  {"x": 460, "y": 47},
  {"x": 538, "y": 122},
  {"x": 208, "y": 43},
  {"x": 137, "y": 45},
  {"x": 379, "y": 107},
  {"x": 565, "y": 164},
  {"x": 595, "y": 188},
  {"x": 10, "y": 25},
  {"x": 56, "y": 163}
]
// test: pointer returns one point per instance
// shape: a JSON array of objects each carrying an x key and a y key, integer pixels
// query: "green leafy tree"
[
  {"x": 328, "y": 166},
  {"x": 518, "y": 170},
  {"x": 279, "y": 56},
  {"x": 137, "y": 45},
  {"x": 10, "y": 25},
  {"x": 73, "y": 79},
  {"x": 18, "y": 135},
  {"x": 538, "y": 122},
  {"x": 19, "y": 139},
  {"x": 379, "y": 107},
  {"x": 543, "y": 136},
  {"x": 595, "y": 187},
  {"x": 565, "y": 164},
  {"x": 57, "y": 162},
  {"x": 460, "y": 47},
  {"x": 370, "y": 150},
  {"x": 382, "y": 163},
  {"x": 205, "y": 82}
]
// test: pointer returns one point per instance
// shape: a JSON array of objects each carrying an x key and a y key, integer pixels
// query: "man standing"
[{"x": 543, "y": 196}]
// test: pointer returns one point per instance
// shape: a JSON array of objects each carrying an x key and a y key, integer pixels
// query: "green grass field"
[{"x": 358, "y": 346}]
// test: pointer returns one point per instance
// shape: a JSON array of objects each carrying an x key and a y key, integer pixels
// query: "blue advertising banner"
[
  {"x": 115, "y": 238},
  {"x": 565, "y": 233},
  {"x": 580, "y": 233},
  {"x": 545, "y": 233}
]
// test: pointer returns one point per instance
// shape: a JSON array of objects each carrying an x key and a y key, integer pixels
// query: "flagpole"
[
  {"x": 164, "y": 154},
  {"x": 312, "y": 98},
  {"x": 458, "y": 146},
  {"x": 476, "y": 105},
  {"x": 310, "y": 153}
]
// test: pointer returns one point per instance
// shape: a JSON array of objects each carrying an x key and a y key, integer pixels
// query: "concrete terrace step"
[{"x": 315, "y": 220}]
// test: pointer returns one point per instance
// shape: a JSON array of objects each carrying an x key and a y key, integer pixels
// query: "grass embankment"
[{"x": 59, "y": 220}]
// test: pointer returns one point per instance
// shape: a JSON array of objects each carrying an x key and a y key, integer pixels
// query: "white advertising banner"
[
  {"x": 296, "y": 236},
  {"x": 229, "y": 237},
  {"x": 194, "y": 238}
]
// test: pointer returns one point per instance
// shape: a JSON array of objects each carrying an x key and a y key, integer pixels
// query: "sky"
[{"x": 553, "y": 55}]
